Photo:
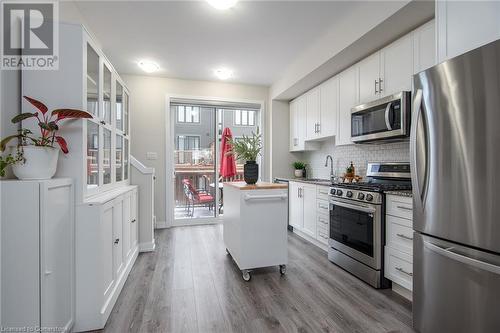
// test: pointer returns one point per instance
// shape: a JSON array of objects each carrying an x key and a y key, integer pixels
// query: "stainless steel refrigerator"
[{"x": 455, "y": 155}]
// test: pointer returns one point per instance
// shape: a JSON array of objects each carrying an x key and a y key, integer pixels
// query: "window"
[
  {"x": 244, "y": 118},
  {"x": 188, "y": 114},
  {"x": 187, "y": 142}
]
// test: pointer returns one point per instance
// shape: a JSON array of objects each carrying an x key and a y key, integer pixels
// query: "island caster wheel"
[
  {"x": 282, "y": 269},
  {"x": 246, "y": 275}
]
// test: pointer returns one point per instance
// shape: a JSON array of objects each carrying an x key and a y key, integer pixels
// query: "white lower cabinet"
[
  {"x": 398, "y": 266},
  {"x": 106, "y": 249},
  {"x": 308, "y": 212},
  {"x": 37, "y": 247}
]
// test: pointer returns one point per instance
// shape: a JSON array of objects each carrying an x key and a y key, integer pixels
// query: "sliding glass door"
[{"x": 197, "y": 137}]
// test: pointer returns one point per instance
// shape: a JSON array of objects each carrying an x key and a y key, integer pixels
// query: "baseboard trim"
[
  {"x": 147, "y": 247},
  {"x": 161, "y": 225},
  {"x": 400, "y": 290}
]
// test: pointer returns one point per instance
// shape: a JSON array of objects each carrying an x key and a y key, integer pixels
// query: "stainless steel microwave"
[{"x": 385, "y": 119}]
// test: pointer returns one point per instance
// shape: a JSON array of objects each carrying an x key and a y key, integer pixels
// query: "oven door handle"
[
  {"x": 356, "y": 207},
  {"x": 387, "y": 112}
]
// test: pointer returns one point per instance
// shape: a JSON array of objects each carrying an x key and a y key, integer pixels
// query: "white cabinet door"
[
  {"x": 301, "y": 119},
  {"x": 424, "y": 47},
  {"x": 295, "y": 208},
  {"x": 465, "y": 25},
  {"x": 134, "y": 225},
  {"x": 369, "y": 75},
  {"x": 309, "y": 198},
  {"x": 396, "y": 66},
  {"x": 348, "y": 97},
  {"x": 117, "y": 236},
  {"x": 329, "y": 105},
  {"x": 107, "y": 247},
  {"x": 56, "y": 255},
  {"x": 312, "y": 113},
  {"x": 294, "y": 139},
  {"x": 126, "y": 226}
]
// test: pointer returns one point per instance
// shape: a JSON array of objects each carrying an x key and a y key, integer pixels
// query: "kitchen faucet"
[{"x": 329, "y": 157}]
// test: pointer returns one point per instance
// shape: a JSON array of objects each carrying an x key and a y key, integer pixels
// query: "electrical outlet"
[{"x": 151, "y": 155}]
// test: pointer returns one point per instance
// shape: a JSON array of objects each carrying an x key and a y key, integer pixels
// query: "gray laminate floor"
[{"x": 189, "y": 284}]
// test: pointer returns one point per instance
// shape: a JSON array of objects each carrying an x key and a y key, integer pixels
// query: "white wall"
[
  {"x": 148, "y": 111},
  {"x": 281, "y": 158}
]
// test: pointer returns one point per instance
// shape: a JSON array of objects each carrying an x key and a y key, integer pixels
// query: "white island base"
[{"x": 255, "y": 225}]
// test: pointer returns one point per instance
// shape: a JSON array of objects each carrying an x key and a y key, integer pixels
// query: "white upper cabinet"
[
  {"x": 369, "y": 78},
  {"x": 298, "y": 123},
  {"x": 396, "y": 66},
  {"x": 329, "y": 105},
  {"x": 312, "y": 113},
  {"x": 424, "y": 47},
  {"x": 348, "y": 97},
  {"x": 465, "y": 25}
]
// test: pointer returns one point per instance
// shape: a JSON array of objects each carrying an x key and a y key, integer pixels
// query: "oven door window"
[
  {"x": 352, "y": 228},
  {"x": 382, "y": 118}
]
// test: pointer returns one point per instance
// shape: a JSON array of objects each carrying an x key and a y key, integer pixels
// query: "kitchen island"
[{"x": 255, "y": 225}]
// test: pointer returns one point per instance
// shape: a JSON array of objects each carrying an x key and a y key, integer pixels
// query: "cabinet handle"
[
  {"x": 380, "y": 85},
  {"x": 376, "y": 91},
  {"x": 404, "y": 207},
  {"x": 102, "y": 122},
  {"x": 323, "y": 207},
  {"x": 400, "y": 269},
  {"x": 133, "y": 221},
  {"x": 117, "y": 240},
  {"x": 404, "y": 236}
]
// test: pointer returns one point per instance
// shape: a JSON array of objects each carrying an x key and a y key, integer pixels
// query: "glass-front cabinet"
[{"x": 107, "y": 138}]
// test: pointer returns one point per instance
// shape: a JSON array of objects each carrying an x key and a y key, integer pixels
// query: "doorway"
[{"x": 197, "y": 127}]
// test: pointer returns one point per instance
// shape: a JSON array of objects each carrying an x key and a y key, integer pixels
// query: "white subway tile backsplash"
[{"x": 359, "y": 154}]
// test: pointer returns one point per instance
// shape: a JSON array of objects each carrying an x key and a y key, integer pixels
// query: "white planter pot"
[
  {"x": 299, "y": 173},
  {"x": 41, "y": 163}
]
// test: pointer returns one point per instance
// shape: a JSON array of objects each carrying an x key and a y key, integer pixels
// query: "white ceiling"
[{"x": 258, "y": 40}]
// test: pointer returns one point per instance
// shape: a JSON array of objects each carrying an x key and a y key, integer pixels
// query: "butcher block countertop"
[{"x": 259, "y": 186}]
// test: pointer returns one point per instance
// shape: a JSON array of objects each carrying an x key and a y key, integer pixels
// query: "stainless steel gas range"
[{"x": 357, "y": 221}]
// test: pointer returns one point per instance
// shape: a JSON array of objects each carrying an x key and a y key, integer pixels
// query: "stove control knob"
[
  {"x": 349, "y": 194},
  {"x": 332, "y": 191},
  {"x": 339, "y": 192},
  {"x": 369, "y": 197},
  {"x": 361, "y": 196}
]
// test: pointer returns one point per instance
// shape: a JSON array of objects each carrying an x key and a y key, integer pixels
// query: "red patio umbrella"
[{"x": 227, "y": 162}]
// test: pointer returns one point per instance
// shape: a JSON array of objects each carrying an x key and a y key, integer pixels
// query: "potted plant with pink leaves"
[{"x": 35, "y": 157}]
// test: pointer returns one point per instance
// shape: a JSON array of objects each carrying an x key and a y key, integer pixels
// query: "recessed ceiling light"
[
  {"x": 222, "y": 4},
  {"x": 223, "y": 73},
  {"x": 148, "y": 66}
]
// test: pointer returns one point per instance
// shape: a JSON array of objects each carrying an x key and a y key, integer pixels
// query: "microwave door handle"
[{"x": 387, "y": 120}]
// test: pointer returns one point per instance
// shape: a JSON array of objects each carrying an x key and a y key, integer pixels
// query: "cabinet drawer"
[
  {"x": 322, "y": 192},
  {"x": 399, "y": 267},
  {"x": 322, "y": 228},
  {"x": 322, "y": 207},
  {"x": 400, "y": 206},
  {"x": 399, "y": 234}
]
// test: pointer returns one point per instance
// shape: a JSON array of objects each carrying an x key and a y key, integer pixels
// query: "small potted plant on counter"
[
  {"x": 247, "y": 149},
  {"x": 299, "y": 168},
  {"x": 35, "y": 157}
]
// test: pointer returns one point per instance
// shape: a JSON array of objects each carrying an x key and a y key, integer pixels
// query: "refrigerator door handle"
[
  {"x": 417, "y": 180},
  {"x": 449, "y": 253}
]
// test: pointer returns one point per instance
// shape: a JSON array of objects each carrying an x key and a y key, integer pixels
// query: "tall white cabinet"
[
  {"x": 38, "y": 262},
  {"x": 98, "y": 162}
]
